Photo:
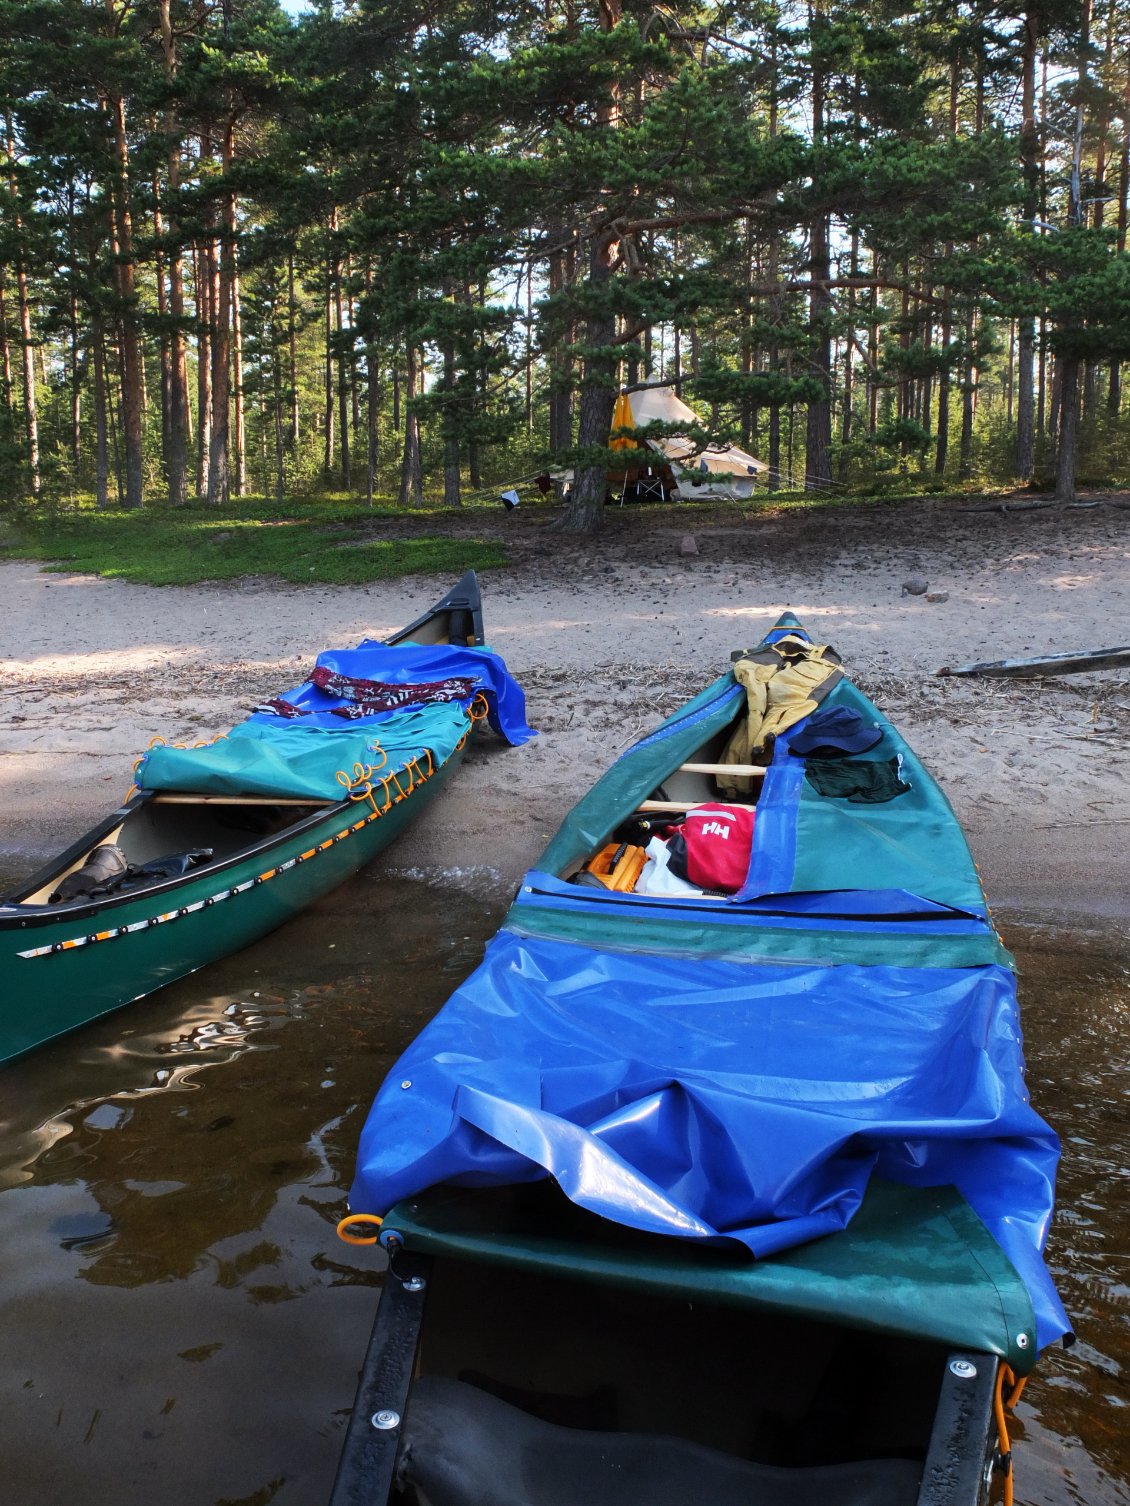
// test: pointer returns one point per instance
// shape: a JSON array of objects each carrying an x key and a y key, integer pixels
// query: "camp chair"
[{"x": 650, "y": 487}]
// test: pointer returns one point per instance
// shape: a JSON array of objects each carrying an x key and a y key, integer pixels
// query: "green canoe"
[
  {"x": 65, "y": 963},
  {"x": 728, "y": 1193}
]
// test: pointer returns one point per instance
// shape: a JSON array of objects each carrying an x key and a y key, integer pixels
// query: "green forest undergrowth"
[{"x": 184, "y": 546}]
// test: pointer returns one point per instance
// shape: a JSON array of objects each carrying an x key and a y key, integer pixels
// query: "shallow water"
[
  {"x": 179, "y": 1321},
  {"x": 1073, "y": 1429}
]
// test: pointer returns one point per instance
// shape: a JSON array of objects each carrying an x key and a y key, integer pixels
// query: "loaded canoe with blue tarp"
[
  {"x": 225, "y": 841},
  {"x": 797, "y": 1106}
]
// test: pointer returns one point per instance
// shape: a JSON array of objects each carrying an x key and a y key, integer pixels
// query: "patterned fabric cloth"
[
  {"x": 279, "y": 707},
  {"x": 370, "y": 697},
  {"x": 383, "y": 695}
]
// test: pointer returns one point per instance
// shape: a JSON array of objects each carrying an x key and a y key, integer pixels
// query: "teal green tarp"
[
  {"x": 802, "y": 841},
  {"x": 913, "y": 1260},
  {"x": 301, "y": 762}
]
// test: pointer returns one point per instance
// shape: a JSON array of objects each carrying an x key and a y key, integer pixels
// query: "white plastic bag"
[{"x": 657, "y": 879}]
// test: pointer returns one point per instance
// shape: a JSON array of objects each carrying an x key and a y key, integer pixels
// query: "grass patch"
[{"x": 327, "y": 546}]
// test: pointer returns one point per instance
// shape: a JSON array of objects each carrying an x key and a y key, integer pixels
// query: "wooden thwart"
[
  {"x": 646, "y": 807},
  {"x": 739, "y": 770}
]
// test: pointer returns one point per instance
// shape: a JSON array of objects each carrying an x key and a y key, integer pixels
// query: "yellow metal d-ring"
[{"x": 352, "y": 1219}]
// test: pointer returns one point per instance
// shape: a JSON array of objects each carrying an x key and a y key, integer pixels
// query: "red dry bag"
[{"x": 712, "y": 846}]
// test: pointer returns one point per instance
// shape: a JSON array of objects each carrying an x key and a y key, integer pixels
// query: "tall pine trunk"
[
  {"x": 372, "y": 414},
  {"x": 373, "y": 396},
  {"x": 584, "y": 508},
  {"x": 410, "y": 493},
  {"x": 342, "y": 377},
  {"x": 101, "y": 448},
  {"x": 292, "y": 346},
  {"x": 76, "y": 389},
  {"x": 560, "y": 417},
  {"x": 5, "y": 353},
  {"x": 164, "y": 352},
  {"x": 818, "y": 432},
  {"x": 971, "y": 373},
  {"x": 239, "y": 431},
  {"x": 219, "y": 460},
  {"x": 204, "y": 301},
  {"x": 131, "y": 373},
  {"x": 177, "y": 435},
  {"x": 277, "y": 397},
  {"x": 1068, "y": 362},
  {"x": 1026, "y": 339},
  {"x": 328, "y": 392},
  {"x": 1114, "y": 388},
  {"x": 529, "y": 351},
  {"x": 31, "y": 417},
  {"x": 451, "y": 493}
]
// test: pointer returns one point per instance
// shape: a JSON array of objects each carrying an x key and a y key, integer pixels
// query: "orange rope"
[{"x": 475, "y": 713}]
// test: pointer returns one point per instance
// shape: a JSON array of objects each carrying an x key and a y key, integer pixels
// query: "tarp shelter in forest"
[{"x": 681, "y": 469}]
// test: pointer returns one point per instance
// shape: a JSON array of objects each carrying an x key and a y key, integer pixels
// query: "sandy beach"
[{"x": 610, "y": 635}]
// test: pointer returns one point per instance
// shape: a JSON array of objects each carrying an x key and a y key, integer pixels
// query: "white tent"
[{"x": 719, "y": 472}]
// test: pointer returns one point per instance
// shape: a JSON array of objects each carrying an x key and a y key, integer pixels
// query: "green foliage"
[
  {"x": 668, "y": 178},
  {"x": 762, "y": 389}
]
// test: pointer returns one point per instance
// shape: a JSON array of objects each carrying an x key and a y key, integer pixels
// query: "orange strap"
[
  {"x": 355, "y": 1220},
  {"x": 1002, "y": 1404}
]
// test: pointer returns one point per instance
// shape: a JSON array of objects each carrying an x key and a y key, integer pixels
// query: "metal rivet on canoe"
[
  {"x": 414, "y": 1284},
  {"x": 407, "y": 1083},
  {"x": 963, "y": 1369},
  {"x": 1022, "y": 1341},
  {"x": 385, "y": 1420}
]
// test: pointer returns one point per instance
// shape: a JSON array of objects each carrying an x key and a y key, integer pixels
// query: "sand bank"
[{"x": 610, "y": 635}]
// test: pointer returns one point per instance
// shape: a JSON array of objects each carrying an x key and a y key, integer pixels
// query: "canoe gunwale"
[
  {"x": 40, "y": 915},
  {"x": 29, "y": 916},
  {"x": 63, "y": 860},
  {"x": 152, "y": 944},
  {"x": 368, "y": 1458}
]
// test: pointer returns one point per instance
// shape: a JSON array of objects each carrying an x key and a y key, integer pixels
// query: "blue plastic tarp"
[
  {"x": 413, "y": 664},
  {"x": 302, "y": 757},
  {"x": 722, "y": 1101}
]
